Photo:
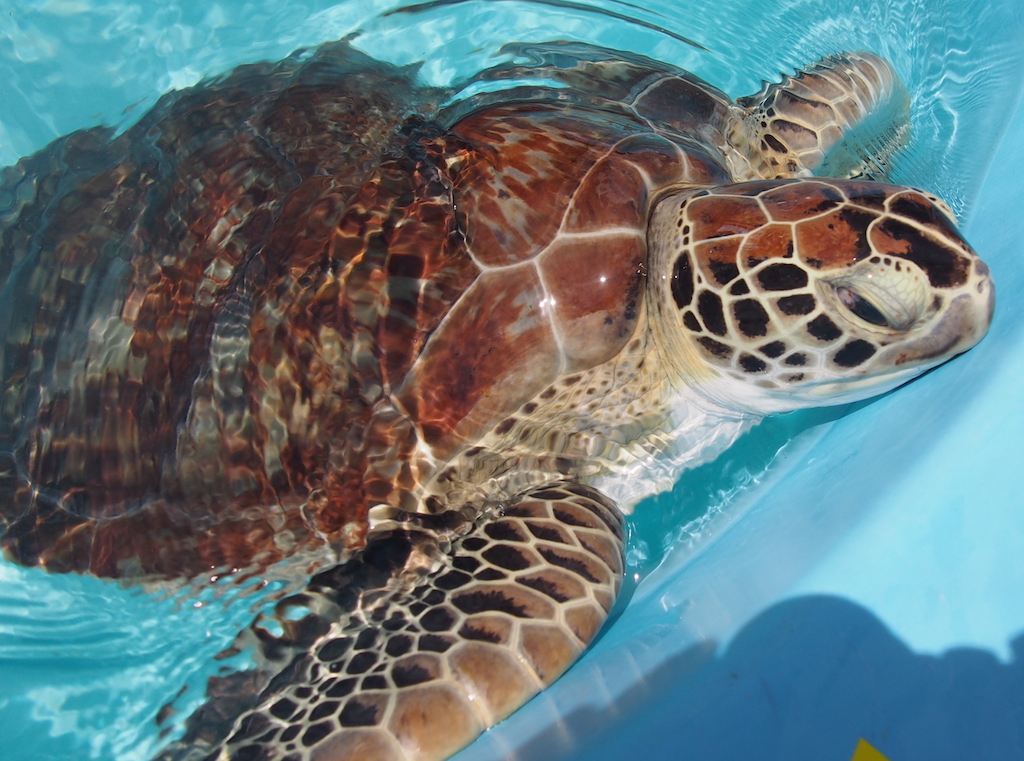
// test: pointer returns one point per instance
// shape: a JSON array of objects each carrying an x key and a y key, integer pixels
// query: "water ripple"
[{"x": 86, "y": 663}]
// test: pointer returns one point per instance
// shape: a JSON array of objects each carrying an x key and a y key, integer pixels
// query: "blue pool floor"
[{"x": 874, "y": 592}]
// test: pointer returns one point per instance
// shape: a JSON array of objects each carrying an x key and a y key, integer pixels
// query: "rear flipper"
[{"x": 433, "y": 635}]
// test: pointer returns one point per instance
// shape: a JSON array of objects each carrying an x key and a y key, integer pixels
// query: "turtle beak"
[
  {"x": 959, "y": 327},
  {"x": 987, "y": 289}
]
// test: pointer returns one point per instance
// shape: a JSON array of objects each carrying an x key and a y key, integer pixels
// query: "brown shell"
[
  {"x": 233, "y": 322},
  {"x": 183, "y": 348},
  {"x": 552, "y": 202}
]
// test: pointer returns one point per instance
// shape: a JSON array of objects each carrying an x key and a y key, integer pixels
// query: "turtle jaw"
[
  {"x": 957, "y": 325},
  {"x": 960, "y": 329},
  {"x": 954, "y": 329}
]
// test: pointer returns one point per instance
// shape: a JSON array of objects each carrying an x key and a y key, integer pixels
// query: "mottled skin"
[{"x": 431, "y": 356}]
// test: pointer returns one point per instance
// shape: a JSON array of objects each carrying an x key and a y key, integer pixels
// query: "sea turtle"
[{"x": 433, "y": 355}]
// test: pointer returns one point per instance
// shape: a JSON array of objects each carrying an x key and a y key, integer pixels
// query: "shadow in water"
[{"x": 803, "y": 681}]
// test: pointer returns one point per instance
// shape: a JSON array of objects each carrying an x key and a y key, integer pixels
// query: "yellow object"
[{"x": 865, "y": 751}]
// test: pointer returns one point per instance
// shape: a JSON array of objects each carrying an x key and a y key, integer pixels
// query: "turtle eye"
[{"x": 861, "y": 307}]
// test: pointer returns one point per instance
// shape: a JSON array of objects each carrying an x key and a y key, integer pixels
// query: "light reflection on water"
[
  {"x": 69, "y": 64},
  {"x": 87, "y": 664}
]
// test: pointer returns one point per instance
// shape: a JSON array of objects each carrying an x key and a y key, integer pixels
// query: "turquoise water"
[{"x": 894, "y": 524}]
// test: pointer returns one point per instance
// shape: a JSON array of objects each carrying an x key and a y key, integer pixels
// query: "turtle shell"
[
  {"x": 315, "y": 296},
  {"x": 551, "y": 202},
  {"x": 174, "y": 378}
]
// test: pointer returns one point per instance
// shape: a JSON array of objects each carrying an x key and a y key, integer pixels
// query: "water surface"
[{"x": 86, "y": 665}]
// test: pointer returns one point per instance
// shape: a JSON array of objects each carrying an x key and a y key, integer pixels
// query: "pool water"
[{"x": 838, "y": 574}]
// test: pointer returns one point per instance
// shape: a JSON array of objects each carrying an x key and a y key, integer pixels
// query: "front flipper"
[
  {"x": 433, "y": 635},
  {"x": 846, "y": 115}
]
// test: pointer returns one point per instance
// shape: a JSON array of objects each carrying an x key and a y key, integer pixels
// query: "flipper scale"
[{"x": 412, "y": 649}]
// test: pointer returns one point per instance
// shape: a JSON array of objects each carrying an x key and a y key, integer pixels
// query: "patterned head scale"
[{"x": 814, "y": 291}]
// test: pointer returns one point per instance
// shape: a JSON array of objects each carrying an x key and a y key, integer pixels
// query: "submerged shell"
[
  {"x": 179, "y": 351},
  {"x": 254, "y": 308}
]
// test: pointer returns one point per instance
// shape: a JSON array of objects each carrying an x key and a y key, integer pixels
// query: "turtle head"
[{"x": 776, "y": 295}]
